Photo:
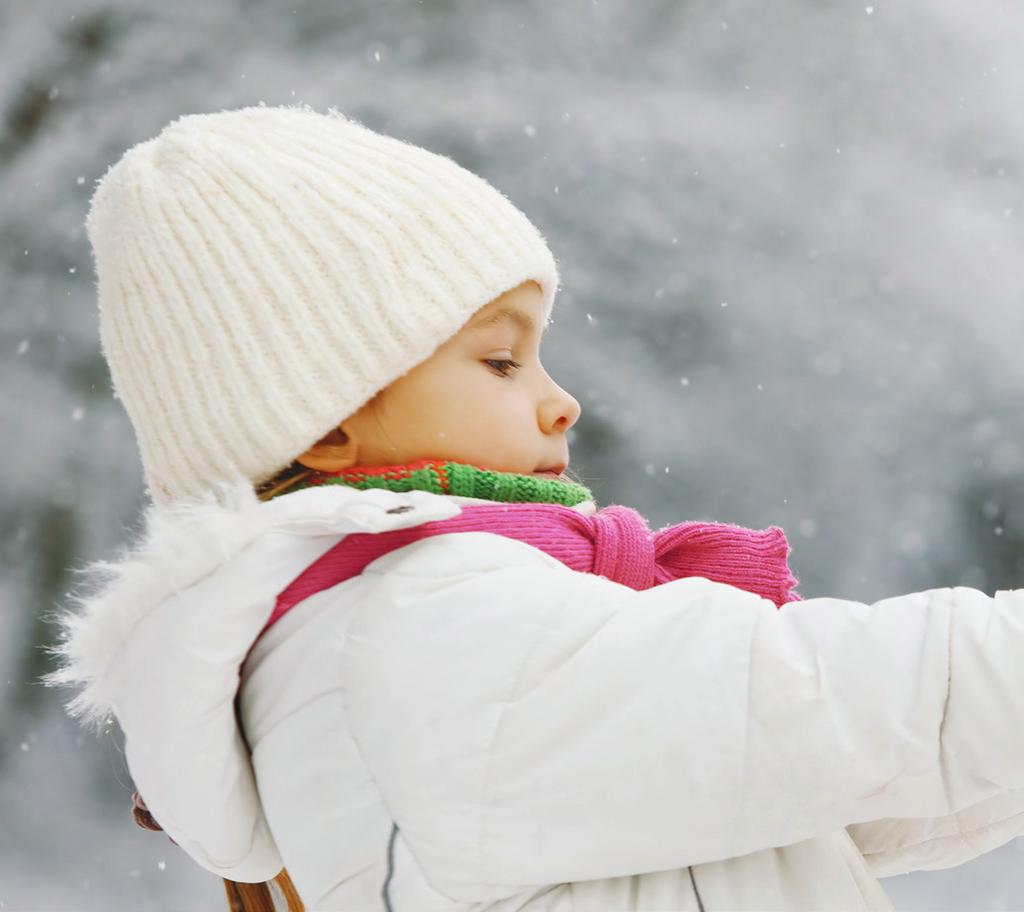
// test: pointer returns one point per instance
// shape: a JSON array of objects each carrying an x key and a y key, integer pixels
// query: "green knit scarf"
[{"x": 458, "y": 478}]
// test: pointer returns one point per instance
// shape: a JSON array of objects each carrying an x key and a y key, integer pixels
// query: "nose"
[{"x": 559, "y": 411}]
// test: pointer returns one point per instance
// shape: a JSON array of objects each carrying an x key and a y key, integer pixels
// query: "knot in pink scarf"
[
  {"x": 625, "y": 550},
  {"x": 615, "y": 542}
]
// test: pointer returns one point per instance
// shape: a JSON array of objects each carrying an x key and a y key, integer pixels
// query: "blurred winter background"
[{"x": 793, "y": 293}]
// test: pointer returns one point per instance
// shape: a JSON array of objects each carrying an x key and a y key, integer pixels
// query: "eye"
[{"x": 503, "y": 366}]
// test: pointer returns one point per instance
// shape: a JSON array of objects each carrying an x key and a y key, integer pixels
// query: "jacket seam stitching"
[
  {"x": 385, "y": 890},
  {"x": 696, "y": 892},
  {"x": 949, "y": 603}
]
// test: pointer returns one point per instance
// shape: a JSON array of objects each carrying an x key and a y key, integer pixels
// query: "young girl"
[{"x": 375, "y": 635}]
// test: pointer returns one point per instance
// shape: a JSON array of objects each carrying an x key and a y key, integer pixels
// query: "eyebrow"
[{"x": 522, "y": 320}]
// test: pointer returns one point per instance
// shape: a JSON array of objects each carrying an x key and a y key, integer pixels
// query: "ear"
[{"x": 337, "y": 450}]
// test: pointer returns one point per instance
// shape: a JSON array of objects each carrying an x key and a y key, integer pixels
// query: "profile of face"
[{"x": 483, "y": 398}]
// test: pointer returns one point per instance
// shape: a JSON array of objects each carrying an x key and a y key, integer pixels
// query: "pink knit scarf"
[{"x": 614, "y": 542}]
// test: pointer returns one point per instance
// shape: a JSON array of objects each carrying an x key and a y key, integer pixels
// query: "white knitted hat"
[{"x": 263, "y": 272}]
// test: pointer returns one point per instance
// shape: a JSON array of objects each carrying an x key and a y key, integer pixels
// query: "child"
[{"x": 375, "y": 634}]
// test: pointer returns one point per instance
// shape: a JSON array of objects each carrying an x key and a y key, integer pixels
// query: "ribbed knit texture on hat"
[{"x": 263, "y": 272}]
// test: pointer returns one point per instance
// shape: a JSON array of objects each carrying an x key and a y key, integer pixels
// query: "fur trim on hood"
[{"x": 185, "y": 541}]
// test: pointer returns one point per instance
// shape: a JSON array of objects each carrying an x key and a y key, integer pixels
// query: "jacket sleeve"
[{"x": 532, "y": 725}]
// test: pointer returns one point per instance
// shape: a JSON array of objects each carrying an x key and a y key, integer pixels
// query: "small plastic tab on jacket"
[{"x": 339, "y": 509}]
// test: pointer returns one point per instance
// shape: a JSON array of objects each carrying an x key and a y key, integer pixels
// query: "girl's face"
[{"x": 483, "y": 397}]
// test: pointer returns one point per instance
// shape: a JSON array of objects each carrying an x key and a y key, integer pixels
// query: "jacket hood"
[{"x": 189, "y": 539}]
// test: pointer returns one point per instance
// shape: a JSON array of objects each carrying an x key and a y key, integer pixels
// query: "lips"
[{"x": 551, "y": 471}]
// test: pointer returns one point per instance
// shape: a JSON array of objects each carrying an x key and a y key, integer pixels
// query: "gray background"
[{"x": 790, "y": 238}]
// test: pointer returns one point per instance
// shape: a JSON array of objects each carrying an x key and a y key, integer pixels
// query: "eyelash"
[{"x": 504, "y": 371}]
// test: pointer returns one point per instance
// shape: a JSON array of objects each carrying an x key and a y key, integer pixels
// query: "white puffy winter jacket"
[{"x": 471, "y": 725}]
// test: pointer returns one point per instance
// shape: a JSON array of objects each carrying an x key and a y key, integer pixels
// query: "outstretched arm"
[{"x": 529, "y": 725}]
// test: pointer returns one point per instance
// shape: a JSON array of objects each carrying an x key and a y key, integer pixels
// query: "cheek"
[
  {"x": 505, "y": 407},
  {"x": 468, "y": 398}
]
